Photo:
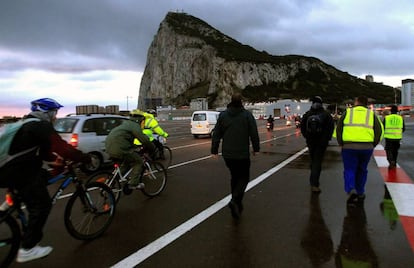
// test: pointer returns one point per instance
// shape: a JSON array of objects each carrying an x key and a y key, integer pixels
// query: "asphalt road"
[{"x": 283, "y": 224}]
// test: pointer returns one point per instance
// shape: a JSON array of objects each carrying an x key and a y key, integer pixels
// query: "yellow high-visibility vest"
[
  {"x": 393, "y": 126},
  {"x": 358, "y": 125}
]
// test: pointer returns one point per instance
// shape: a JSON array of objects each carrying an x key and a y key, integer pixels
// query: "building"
[
  {"x": 407, "y": 92},
  {"x": 96, "y": 109},
  {"x": 369, "y": 78},
  {"x": 279, "y": 109},
  {"x": 199, "y": 104},
  {"x": 112, "y": 109}
]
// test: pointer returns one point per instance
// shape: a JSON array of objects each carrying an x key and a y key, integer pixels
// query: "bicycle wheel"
[
  {"x": 154, "y": 179},
  {"x": 111, "y": 180},
  {"x": 88, "y": 214},
  {"x": 166, "y": 157},
  {"x": 10, "y": 237}
]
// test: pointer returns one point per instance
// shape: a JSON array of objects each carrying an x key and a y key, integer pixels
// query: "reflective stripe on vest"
[
  {"x": 148, "y": 123},
  {"x": 358, "y": 125},
  {"x": 393, "y": 126}
]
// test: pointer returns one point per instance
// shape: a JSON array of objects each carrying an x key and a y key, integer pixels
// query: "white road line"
[
  {"x": 206, "y": 157},
  {"x": 403, "y": 197},
  {"x": 155, "y": 246}
]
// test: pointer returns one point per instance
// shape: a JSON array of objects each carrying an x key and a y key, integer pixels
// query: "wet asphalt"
[{"x": 283, "y": 224}]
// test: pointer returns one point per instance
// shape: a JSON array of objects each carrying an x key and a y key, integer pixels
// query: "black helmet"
[{"x": 317, "y": 99}]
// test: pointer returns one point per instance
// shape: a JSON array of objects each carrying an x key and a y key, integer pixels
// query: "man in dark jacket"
[
  {"x": 25, "y": 173},
  {"x": 119, "y": 144},
  {"x": 237, "y": 127},
  {"x": 317, "y": 127}
]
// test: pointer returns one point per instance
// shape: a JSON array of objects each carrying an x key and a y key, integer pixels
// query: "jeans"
[
  {"x": 356, "y": 169},
  {"x": 240, "y": 175}
]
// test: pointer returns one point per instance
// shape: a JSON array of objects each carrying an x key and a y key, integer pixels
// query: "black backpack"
[{"x": 314, "y": 124}]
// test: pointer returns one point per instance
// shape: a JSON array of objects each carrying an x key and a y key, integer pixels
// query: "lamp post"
[{"x": 128, "y": 97}]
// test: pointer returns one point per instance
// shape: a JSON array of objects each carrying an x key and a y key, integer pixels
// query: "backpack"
[
  {"x": 7, "y": 133},
  {"x": 314, "y": 124}
]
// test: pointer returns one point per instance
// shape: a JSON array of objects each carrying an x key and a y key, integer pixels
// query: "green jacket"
[{"x": 121, "y": 139}]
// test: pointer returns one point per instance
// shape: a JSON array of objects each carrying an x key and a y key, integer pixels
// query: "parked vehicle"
[
  {"x": 203, "y": 122},
  {"x": 88, "y": 134}
]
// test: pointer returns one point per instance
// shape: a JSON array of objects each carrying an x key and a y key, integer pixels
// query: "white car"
[
  {"x": 203, "y": 122},
  {"x": 88, "y": 134}
]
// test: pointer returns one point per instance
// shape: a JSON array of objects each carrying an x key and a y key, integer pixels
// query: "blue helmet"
[{"x": 45, "y": 105}]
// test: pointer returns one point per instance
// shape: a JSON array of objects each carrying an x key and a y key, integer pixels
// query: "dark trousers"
[
  {"x": 391, "y": 148},
  {"x": 240, "y": 175},
  {"x": 316, "y": 153},
  {"x": 30, "y": 180}
]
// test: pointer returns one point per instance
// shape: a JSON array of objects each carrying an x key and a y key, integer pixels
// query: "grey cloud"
[{"x": 78, "y": 35}]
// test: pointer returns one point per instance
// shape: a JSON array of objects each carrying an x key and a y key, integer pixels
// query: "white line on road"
[
  {"x": 206, "y": 157},
  {"x": 155, "y": 246}
]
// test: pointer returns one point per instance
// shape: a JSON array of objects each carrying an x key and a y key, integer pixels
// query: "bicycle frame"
[
  {"x": 68, "y": 178},
  {"x": 124, "y": 177},
  {"x": 117, "y": 171},
  {"x": 14, "y": 203}
]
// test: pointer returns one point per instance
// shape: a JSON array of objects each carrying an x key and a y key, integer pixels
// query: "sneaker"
[
  {"x": 138, "y": 186},
  {"x": 315, "y": 189},
  {"x": 361, "y": 198},
  {"x": 352, "y": 199},
  {"x": 392, "y": 165},
  {"x": 37, "y": 252},
  {"x": 235, "y": 212}
]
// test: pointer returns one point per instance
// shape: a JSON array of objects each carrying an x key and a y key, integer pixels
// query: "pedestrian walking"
[
  {"x": 394, "y": 127},
  {"x": 316, "y": 127},
  {"x": 237, "y": 128},
  {"x": 358, "y": 131}
]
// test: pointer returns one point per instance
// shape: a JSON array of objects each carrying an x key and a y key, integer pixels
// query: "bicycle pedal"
[{"x": 139, "y": 186}]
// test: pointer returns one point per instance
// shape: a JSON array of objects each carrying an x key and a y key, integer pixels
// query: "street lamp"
[{"x": 128, "y": 97}]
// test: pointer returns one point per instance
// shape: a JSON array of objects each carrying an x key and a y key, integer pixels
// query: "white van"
[{"x": 203, "y": 122}]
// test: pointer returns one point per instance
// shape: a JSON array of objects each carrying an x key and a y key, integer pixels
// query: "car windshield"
[
  {"x": 65, "y": 125},
  {"x": 199, "y": 117}
]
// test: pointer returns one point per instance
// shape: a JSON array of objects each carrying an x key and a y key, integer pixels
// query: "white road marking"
[
  {"x": 403, "y": 197},
  {"x": 147, "y": 251}
]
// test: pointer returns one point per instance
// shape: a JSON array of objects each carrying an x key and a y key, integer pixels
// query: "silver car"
[{"x": 88, "y": 133}]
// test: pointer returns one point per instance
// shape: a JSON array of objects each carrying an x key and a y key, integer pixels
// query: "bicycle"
[
  {"x": 153, "y": 177},
  {"x": 163, "y": 156},
  {"x": 88, "y": 212}
]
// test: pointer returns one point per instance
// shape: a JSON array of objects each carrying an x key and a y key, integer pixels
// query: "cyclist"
[
  {"x": 119, "y": 144},
  {"x": 149, "y": 126},
  {"x": 25, "y": 173}
]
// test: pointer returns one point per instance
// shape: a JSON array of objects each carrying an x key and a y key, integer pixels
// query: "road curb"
[{"x": 401, "y": 189}]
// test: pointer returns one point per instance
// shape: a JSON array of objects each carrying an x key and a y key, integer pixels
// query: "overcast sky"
[{"x": 94, "y": 51}]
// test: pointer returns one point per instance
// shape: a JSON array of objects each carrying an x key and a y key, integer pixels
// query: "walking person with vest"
[
  {"x": 316, "y": 127},
  {"x": 358, "y": 131},
  {"x": 393, "y": 129}
]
